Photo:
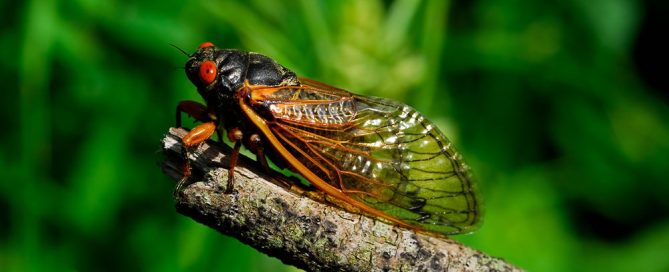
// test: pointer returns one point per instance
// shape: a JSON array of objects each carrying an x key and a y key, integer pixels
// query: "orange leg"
[
  {"x": 257, "y": 148},
  {"x": 199, "y": 134},
  {"x": 234, "y": 135},
  {"x": 199, "y": 112},
  {"x": 195, "y": 109},
  {"x": 196, "y": 136}
]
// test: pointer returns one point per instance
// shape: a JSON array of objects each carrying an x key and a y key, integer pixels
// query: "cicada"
[{"x": 381, "y": 156}]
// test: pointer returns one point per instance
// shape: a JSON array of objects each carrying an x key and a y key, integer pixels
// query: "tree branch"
[{"x": 296, "y": 226}]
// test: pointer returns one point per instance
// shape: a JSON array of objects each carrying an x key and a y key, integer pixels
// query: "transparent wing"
[{"x": 377, "y": 151}]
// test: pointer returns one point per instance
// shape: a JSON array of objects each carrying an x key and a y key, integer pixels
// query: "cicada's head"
[{"x": 219, "y": 73}]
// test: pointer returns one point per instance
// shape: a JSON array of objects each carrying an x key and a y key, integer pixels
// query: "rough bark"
[{"x": 305, "y": 228}]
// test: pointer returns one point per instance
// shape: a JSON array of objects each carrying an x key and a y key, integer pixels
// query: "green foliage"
[{"x": 568, "y": 143}]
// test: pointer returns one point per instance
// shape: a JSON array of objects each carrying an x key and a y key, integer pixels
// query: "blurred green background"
[{"x": 559, "y": 106}]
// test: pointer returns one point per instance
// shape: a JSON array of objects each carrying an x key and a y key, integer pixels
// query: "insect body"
[{"x": 378, "y": 155}]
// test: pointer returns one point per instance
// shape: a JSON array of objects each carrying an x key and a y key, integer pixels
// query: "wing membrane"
[{"x": 379, "y": 152}]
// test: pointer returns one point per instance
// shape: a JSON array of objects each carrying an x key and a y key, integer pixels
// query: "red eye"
[
  {"x": 206, "y": 44},
  {"x": 208, "y": 72}
]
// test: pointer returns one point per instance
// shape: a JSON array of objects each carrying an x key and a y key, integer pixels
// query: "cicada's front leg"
[
  {"x": 197, "y": 135},
  {"x": 199, "y": 112},
  {"x": 194, "y": 109}
]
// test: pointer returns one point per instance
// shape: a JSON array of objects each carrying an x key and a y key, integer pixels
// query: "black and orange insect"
[{"x": 378, "y": 155}]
